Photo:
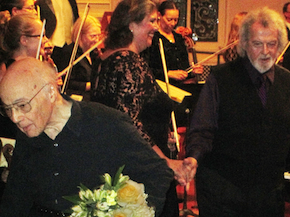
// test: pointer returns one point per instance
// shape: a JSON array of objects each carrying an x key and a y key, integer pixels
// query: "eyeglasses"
[
  {"x": 32, "y": 36},
  {"x": 23, "y": 107},
  {"x": 29, "y": 8},
  {"x": 95, "y": 36}
]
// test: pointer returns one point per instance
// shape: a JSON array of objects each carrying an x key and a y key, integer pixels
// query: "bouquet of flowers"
[{"x": 122, "y": 198}]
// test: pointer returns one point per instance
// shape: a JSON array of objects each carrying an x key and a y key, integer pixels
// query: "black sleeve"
[{"x": 17, "y": 197}]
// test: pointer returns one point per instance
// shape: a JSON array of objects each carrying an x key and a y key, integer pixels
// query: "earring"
[{"x": 131, "y": 30}]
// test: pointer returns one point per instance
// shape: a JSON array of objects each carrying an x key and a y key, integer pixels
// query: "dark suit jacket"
[{"x": 47, "y": 12}]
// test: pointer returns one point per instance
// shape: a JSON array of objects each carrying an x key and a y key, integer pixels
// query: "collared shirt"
[
  {"x": 254, "y": 73},
  {"x": 206, "y": 112},
  {"x": 95, "y": 140}
]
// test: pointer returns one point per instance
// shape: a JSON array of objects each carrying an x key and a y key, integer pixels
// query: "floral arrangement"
[{"x": 122, "y": 198}]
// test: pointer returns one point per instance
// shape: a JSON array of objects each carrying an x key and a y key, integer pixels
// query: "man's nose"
[
  {"x": 16, "y": 115},
  {"x": 265, "y": 49}
]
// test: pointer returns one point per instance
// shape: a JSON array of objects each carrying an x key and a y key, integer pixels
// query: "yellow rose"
[
  {"x": 132, "y": 192},
  {"x": 133, "y": 210},
  {"x": 120, "y": 215},
  {"x": 123, "y": 212}
]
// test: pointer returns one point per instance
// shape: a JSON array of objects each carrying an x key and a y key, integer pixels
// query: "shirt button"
[
  {"x": 55, "y": 145},
  {"x": 56, "y": 174}
]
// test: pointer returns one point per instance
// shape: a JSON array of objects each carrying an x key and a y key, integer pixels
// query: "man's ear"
[
  {"x": 14, "y": 11},
  {"x": 244, "y": 44}
]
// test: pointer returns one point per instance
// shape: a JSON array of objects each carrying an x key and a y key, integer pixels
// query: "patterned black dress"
[{"x": 126, "y": 83}]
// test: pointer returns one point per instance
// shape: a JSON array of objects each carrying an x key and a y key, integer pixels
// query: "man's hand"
[
  {"x": 190, "y": 165},
  {"x": 184, "y": 171}
]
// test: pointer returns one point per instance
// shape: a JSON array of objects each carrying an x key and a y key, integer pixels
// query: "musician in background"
[
  {"x": 60, "y": 17},
  {"x": 80, "y": 77},
  {"x": 21, "y": 37},
  {"x": 18, "y": 6},
  {"x": 176, "y": 57},
  {"x": 174, "y": 47},
  {"x": 231, "y": 53}
]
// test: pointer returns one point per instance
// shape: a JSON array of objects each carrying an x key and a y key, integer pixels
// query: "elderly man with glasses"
[{"x": 62, "y": 143}]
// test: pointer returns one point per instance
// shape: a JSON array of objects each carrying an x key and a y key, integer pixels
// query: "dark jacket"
[{"x": 250, "y": 140}]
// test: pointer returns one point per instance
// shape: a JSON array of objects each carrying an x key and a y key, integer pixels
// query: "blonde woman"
[
  {"x": 79, "y": 82},
  {"x": 231, "y": 53}
]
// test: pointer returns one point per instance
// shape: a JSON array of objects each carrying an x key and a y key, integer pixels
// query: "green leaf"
[
  {"x": 68, "y": 211},
  {"x": 83, "y": 187},
  {"x": 117, "y": 176},
  {"x": 107, "y": 186},
  {"x": 74, "y": 199}
]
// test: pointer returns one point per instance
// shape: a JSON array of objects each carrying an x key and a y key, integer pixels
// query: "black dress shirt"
[{"x": 95, "y": 140}]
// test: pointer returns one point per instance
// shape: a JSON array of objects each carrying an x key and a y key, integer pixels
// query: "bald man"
[{"x": 62, "y": 143}]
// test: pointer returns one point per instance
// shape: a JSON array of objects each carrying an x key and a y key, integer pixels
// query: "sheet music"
[{"x": 177, "y": 94}]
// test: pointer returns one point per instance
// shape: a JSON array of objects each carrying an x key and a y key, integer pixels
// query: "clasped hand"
[{"x": 184, "y": 170}]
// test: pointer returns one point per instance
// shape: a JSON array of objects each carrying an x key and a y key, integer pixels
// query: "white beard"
[{"x": 262, "y": 68}]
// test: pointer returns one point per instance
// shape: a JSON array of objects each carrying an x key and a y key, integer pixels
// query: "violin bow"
[
  {"x": 173, "y": 120},
  {"x": 282, "y": 54},
  {"x": 63, "y": 72},
  {"x": 38, "y": 11},
  {"x": 75, "y": 48},
  {"x": 40, "y": 40},
  {"x": 188, "y": 70}
]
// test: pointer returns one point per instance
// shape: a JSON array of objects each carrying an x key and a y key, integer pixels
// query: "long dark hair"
[{"x": 127, "y": 11}]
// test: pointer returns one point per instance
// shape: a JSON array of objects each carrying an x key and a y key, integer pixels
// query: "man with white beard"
[{"x": 239, "y": 133}]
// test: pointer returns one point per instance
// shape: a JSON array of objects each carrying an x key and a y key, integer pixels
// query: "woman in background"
[
  {"x": 18, "y": 6},
  {"x": 177, "y": 61},
  {"x": 79, "y": 82},
  {"x": 231, "y": 53},
  {"x": 174, "y": 48},
  {"x": 21, "y": 37}
]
